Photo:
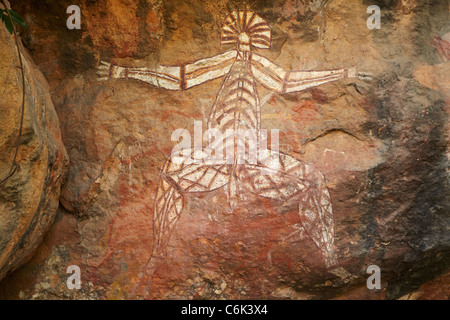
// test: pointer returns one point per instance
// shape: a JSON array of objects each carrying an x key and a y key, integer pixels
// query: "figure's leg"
[
  {"x": 179, "y": 176},
  {"x": 288, "y": 178},
  {"x": 168, "y": 206}
]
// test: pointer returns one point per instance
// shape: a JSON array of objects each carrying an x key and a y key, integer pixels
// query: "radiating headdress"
[{"x": 245, "y": 25}]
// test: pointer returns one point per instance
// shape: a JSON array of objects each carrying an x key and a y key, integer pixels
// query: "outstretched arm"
[
  {"x": 279, "y": 80},
  {"x": 173, "y": 77}
]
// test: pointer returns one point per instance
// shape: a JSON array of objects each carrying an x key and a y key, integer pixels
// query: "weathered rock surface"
[
  {"x": 382, "y": 146},
  {"x": 29, "y": 198}
]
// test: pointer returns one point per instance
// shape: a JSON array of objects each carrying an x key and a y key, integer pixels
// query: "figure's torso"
[
  {"x": 237, "y": 103},
  {"x": 237, "y": 108}
]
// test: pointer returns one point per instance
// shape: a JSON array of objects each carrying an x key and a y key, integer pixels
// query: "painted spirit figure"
[{"x": 237, "y": 106}]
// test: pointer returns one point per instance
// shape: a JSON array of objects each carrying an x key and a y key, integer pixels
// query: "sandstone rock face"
[
  {"x": 29, "y": 198},
  {"x": 381, "y": 146}
]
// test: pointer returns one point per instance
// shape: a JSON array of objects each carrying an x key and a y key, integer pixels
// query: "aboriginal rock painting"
[
  {"x": 442, "y": 46},
  {"x": 237, "y": 106}
]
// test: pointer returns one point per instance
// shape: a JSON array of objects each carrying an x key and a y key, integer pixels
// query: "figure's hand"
[
  {"x": 365, "y": 76},
  {"x": 107, "y": 71},
  {"x": 354, "y": 73},
  {"x": 103, "y": 71}
]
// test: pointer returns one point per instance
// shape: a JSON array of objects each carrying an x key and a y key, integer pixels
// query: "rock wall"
[{"x": 381, "y": 146}]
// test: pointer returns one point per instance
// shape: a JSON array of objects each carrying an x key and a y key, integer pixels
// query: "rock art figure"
[
  {"x": 436, "y": 76},
  {"x": 237, "y": 106},
  {"x": 442, "y": 45}
]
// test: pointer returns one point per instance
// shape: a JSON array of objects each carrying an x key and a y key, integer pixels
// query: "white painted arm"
[
  {"x": 279, "y": 80},
  {"x": 173, "y": 77}
]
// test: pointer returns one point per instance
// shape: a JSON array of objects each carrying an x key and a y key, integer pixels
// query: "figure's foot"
[
  {"x": 142, "y": 285},
  {"x": 152, "y": 266},
  {"x": 330, "y": 258}
]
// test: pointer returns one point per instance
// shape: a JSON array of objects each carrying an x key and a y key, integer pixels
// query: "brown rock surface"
[
  {"x": 29, "y": 198},
  {"x": 436, "y": 289},
  {"x": 381, "y": 146}
]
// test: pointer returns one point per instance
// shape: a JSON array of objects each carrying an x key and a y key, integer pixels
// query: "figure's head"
[{"x": 245, "y": 29}]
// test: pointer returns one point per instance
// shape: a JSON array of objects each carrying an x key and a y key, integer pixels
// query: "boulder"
[{"x": 29, "y": 197}]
